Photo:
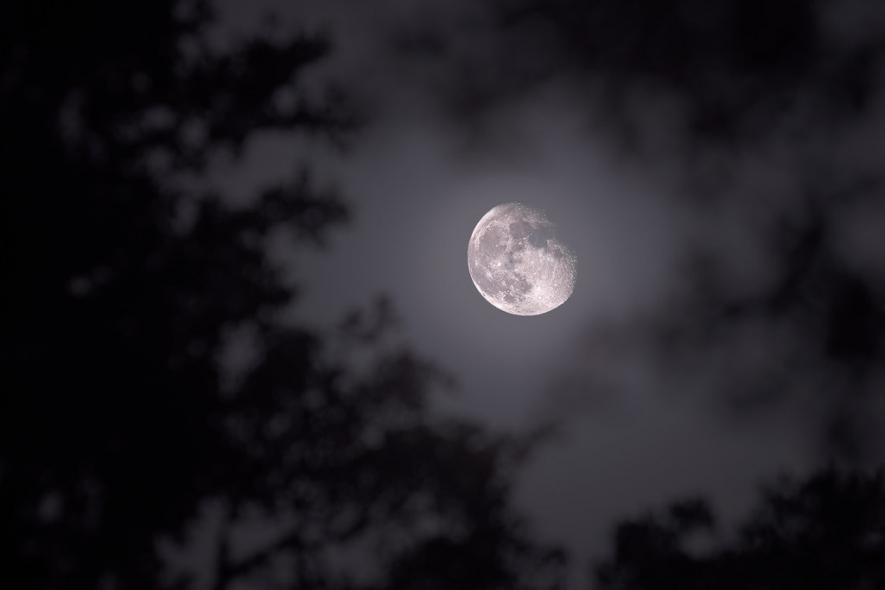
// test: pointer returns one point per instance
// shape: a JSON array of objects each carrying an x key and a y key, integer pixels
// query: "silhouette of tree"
[
  {"x": 729, "y": 72},
  {"x": 827, "y": 532},
  {"x": 120, "y": 423},
  {"x": 821, "y": 315}
]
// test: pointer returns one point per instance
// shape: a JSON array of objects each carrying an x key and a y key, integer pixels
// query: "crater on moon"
[{"x": 518, "y": 263}]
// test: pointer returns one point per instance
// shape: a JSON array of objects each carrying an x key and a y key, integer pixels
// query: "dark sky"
[{"x": 659, "y": 138}]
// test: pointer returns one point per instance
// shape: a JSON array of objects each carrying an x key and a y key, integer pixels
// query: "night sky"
[
  {"x": 471, "y": 109},
  {"x": 717, "y": 168}
]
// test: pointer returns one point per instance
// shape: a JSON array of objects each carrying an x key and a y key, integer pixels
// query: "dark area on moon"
[{"x": 537, "y": 235}]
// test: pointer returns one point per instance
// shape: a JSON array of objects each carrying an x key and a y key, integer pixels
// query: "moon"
[{"x": 518, "y": 263}]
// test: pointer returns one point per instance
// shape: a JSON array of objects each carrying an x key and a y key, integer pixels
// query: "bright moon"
[{"x": 518, "y": 263}]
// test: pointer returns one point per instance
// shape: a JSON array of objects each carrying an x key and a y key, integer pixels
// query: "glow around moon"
[{"x": 518, "y": 263}]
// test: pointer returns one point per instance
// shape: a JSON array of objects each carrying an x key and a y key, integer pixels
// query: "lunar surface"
[{"x": 518, "y": 263}]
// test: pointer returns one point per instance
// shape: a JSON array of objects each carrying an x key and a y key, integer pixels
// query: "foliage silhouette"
[
  {"x": 827, "y": 532},
  {"x": 722, "y": 73},
  {"x": 120, "y": 423}
]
